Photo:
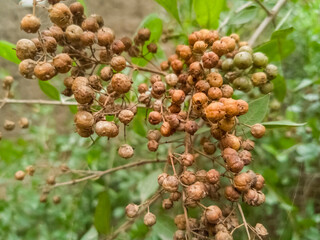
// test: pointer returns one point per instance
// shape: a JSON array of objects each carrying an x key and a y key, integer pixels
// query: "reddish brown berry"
[
  {"x": 215, "y": 111},
  {"x": 125, "y": 151},
  {"x": 149, "y": 219},
  {"x": 214, "y": 79},
  {"x": 90, "y": 24},
  {"x": 132, "y": 210},
  {"x": 121, "y": 83},
  {"x": 105, "y": 36},
  {"x": 191, "y": 127},
  {"x": 30, "y": 23},
  {"x": 60, "y": 15},
  {"x": 170, "y": 184},
  {"x": 155, "y": 117},
  {"x": 44, "y": 71},
  {"x": 243, "y": 181},
  {"x": 153, "y": 145},
  {"x": 188, "y": 178},
  {"x": 106, "y": 128},
  {"x": 167, "y": 203},
  {"x": 26, "y": 68},
  {"x": 118, "y": 63},
  {"x": 196, "y": 191},
  {"x": 187, "y": 159},
  {"x": 231, "y": 193},
  {"x": 210, "y": 60},
  {"x": 106, "y": 73},
  {"x": 213, "y": 176},
  {"x": 25, "y": 49},
  {"x": 62, "y": 62},
  {"x": 258, "y": 130},
  {"x": 213, "y": 214},
  {"x": 76, "y": 9},
  {"x": 19, "y": 175}
]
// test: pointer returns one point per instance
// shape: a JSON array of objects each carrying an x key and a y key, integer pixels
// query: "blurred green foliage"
[{"x": 288, "y": 157}]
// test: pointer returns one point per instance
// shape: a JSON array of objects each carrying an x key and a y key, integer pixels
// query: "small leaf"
[
  {"x": 244, "y": 16},
  {"x": 283, "y": 123},
  {"x": 171, "y": 7},
  {"x": 304, "y": 83},
  {"x": 208, "y": 12},
  {"x": 280, "y": 88},
  {"x": 7, "y": 52},
  {"x": 258, "y": 109},
  {"x": 49, "y": 90},
  {"x": 138, "y": 123},
  {"x": 73, "y": 109},
  {"x": 278, "y": 47},
  {"x": 149, "y": 185},
  {"x": 165, "y": 227},
  {"x": 102, "y": 213}
]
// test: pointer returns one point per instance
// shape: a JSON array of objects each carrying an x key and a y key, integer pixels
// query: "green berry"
[
  {"x": 227, "y": 64},
  {"x": 266, "y": 88},
  {"x": 243, "y": 60},
  {"x": 243, "y": 84},
  {"x": 260, "y": 60},
  {"x": 271, "y": 71},
  {"x": 246, "y": 49}
]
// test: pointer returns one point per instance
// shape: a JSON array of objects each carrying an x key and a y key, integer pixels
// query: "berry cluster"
[{"x": 190, "y": 91}]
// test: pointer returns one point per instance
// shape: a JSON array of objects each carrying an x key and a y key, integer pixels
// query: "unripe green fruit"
[
  {"x": 243, "y": 60},
  {"x": 271, "y": 71},
  {"x": 242, "y": 84},
  {"x": 246, "y": 49},
  {"x": 227, "y": 64},
  {"x": 260, "y": 60},
  {"x": 266, "y": 88}
]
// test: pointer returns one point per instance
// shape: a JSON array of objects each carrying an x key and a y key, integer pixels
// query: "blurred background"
[{"x": 288, "y": 157}]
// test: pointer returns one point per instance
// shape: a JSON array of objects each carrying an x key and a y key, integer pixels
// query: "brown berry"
[
  {"x": 76, "y": 9},
  {"x": 118, "y": 63},
  {"x": 60, "y": 15},
  {"x": 196, "y": 191},
  {"x": 25, "y": 49},
  {"x": 105, "y": 36},
  {"x": 24, "y": 122},
  {"x": 132, "y": 210},
  {"x": 258, "y": 130},
  {"x": 188, "y": 178},
  {"x": 62, "y": 62},
  {"x": 9, "y": 125},
  {"x": 121, "y": 83},
  {"x": 125, "y": 151},
  {"x": 51, "y": 180},
  {"x": 170, "y": 183},
  {"x": 215, "y": 79},
  {"x": 187, "y": 159},
  {"x": 19, "y": 175},
  {"x": 44, "y": 71},
  {"x": 30, "y": 170},
  {"x": 210, "y": 60},
  {"x": 231, "y": 193},
  {"x": 30, "y": 23},
  {"x": 213, "y": 176},
  {"x": 106, "y": 128},
  {"x": 213, "y": 214},
  {"x": 26, "y": 68},
  {"x": 149, "y": 219}
]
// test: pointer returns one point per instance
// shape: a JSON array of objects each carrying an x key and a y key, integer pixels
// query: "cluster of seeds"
[{"x": 189, "y": 92}]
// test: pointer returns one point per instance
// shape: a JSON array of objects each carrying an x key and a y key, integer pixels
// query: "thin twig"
[
  {"x": 99, "y": 174},
  {"x": 244, "y": 220},
  {"x": 263, "y": 7},
  {"x": 36, "y": 101},
  {"x": 275, "y": 10}
]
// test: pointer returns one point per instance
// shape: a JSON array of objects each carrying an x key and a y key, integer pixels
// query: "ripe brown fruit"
[
  {"x": 154, "y": 118},
  {"x": 76, "y": 9},
  {"x": 24, "y": 122},
  {"x": 243, "y": 181},
  {"x": 188, "y": 178},
  {"x": 209, "y": 148},
  {"x": 196, "y": 191},
  {"x": 26, "y": 68},
  {"x": 107, "y": 129},
  {"x": 60, "y": 15},
  {"x": 88, "y": 38},
  {"x": 215, "y": 111},
  {"x": 213, "y": 214},
  {"x": 121, "y": 83},
  {"x": 210, "y": 60},
  {"x": 25, "y": 49},
  {"x": 19, "y": 175},
  {"x": 74, "y": 33},
  {"x": 154, "y": 135},
  {"x": 167, "y": 203},
  {"x": 231, "y": 193},
  {"x": 170, "y": 183},
  {"x": 153, "y": 145},
  {"x": 62, "y": 62},
  {"x": 51, "y": 180},
  {"x": 132, "y": 210},
  {"x": 106, "y": 73},
  {"x": 30, "y": 23},
  {"x": 83, "y": 119},
  {"x": 258, "y": 130},
  {"x": 126, "y": 116},
  {"x": 105, "y": 36},
  {"x": 90, "y": 24},
  {"x": 187, "y": 159},
  {"x": 84, "y": 95},
  {"x": 30, "y": 170},
  {"x": 171, "y": 79},
  {"x": 118, "y": 63},
  {"x": 56, "y": 199},
  {"x": 44, "y": 71},
  {"x": 191, "y": 127},
  {"x": 125, "y": 151},
  {"x": 213, "y": 176},
  {"x": 214, "y": 93},
  {"x": 149, "y": 219}
]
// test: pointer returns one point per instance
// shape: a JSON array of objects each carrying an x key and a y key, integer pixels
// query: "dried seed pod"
[
  {"x": 191, "y": 127},
  {"x": 253, "y": 198},
  {"x": 170, "y": 184},
  {"x": 195, "y": 69},
  {"x": 83, "y": 119},
  {"x": 126, "y": 116},
  {"x": 164, "y": 65},
  {"x": 166, "y": 129},
  {"x": 84, "y": 95},
  {"x": 248, "y": 145},
  {"x": 210, "y": 60},
  {"x": 25, "y": 49},
  {"x": 51, "y": 180},
  {"x": 26, "y": 68},
  {"x": 215, "y": 111},
  {"x": 229, "y": 42},
  {"x": 196, "y": 191},
  {"x": 187, "y": 159},
  {"x": 105, "y": 36},
  {"x": 121, "y": 83},
  {"x": 149, "y": 219},
  {"x": 227, "y": 91},
  {"x": 259, "y": 184},
  {"x": 171, "y": 79},
  {"x": 231, "y": 193},
  {"x": 162, "y": 177},
  {"x": 219, "y": 47},
  {"x": 243, "y": 181},
  {"x": 175, "y": 196},
  {"x": 50, "y": 44},
  {"x": 227, "y": 124},
  {"x": 221, "y": 235},
  {"x": 24, "y": 122},
  {"x": 87, "y": 38},
  {"x": 202, "y": 86},
  {"x": 60, "y": 15},
  {"x": 232, "y": 159},
  {"x": 106, "y": 73},
  {"x": 30, "y": 170},
  {"x": 200, "y": 47},
  {"x": 209, "y": 148},
  {"x": 132, "y": 210},
  {"x": 167, "y": 203},
  {"x": 179, "y": 235},
  {"x": 74, "y": 33},
  {"x": 30, "y": 23},
  {"x": 62, "y": 62},
  {"x": 108, "y": 129},
  {"x": 180, "y": 221},
  {"x": 243, "y": 107},
  {"x": 118, "y": 63},
  {"x": 215, "y": 79},
  {"x": 44, "y": 71},
  {"x": 90, "y": 24},
  {"x": 230, "y": 141},
  {"x": 77, "y": 9},
  {"x": 245, "y": 156},
  {"x": 188, "y": 178},
  {"x": 154, "y": 118},
  {"x": 125, "y": 151},
  {"x": 261, "y": 231},
  {"x": 213, "y": 176},
  {"x": 19, "y": 175},
  {"x": 154, "y": 135},
  {"x": 153, "y": 145},
  {"x": 95, "y": 82},
  {"x": 213, "y": 214},
  {"x": 214, "y": 93},
  {"x": 84, "y": 132},
  {"x": 258, "y": 130},
  {"x": 9, "y": 125}
]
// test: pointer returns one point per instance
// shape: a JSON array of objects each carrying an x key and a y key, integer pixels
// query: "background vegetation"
[{"x": 288, "y": 157}]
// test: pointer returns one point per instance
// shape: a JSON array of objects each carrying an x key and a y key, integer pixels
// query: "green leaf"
[
  {"x": 102, "y": 213},
  {"x": 165, "y": 227},
  {"x": 303, "y": 84},
  {"x": 49, "y": 90},
  {"x": 83, "y": 3},
  {"x": 7, "y": 52},
  {"x": 208, "y": 12},
  {"x": 244, "y": 16},
  {"x": 278, "y": 47},
  {"x": 138, "y": 123},
  {"x": 148, "y": 185},
  {"x": 283, "y": 123},
  {"x": 171, "y": 7},
  {"x": 258, "y": 109},
  {"x": 280, "y": 88},
  {"x": 73, "y": 109},
  {"x": 154, "y": 24}
]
